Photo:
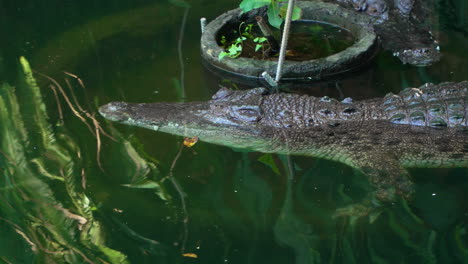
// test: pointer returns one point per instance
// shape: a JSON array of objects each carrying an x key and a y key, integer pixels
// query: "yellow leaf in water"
[
  {"x": 189, "y": 142},
  {"x": 291, "y": 53},
  {"x": 190, "y": 255}
]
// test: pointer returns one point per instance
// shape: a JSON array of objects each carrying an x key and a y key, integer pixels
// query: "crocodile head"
[
  {"x": 230, "y": 118},
  {"x": 419, "y": 56},
  {"x": 404, "y": 6},
  {"x": 409, "y": 42},
  {"x": 377, "y": 8}
]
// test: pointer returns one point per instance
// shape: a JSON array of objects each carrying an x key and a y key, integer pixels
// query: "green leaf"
[
  {"x": 248, "y": 28},
  {"x": 147, "y": 184},
  {"x": 247, "y": 35},
  {"x": 268, "y": 160},
  {"x": 260, "y": 39},
  {"x": 222, "y": 55},
  {"x": 273, "y": 16},
  {"x": 297, "y": 12},
  {"x": 233, "y": 50},
  {"x": 257, "y": 47},
  {"x": 247, "y": 5},
  {"x": 223, "y": 40}
]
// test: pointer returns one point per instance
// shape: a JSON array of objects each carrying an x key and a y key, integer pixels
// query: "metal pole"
[
  {"x": 284, "y": 39},
  {"x": 202, "y": 24},
  {"x": 269, "y": 79}
]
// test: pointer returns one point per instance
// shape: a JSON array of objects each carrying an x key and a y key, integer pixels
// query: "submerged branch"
[
  {"x": 18, "y": 230},
  {"x": 181, "y": 194},
  {"x": 78, "y": 113},
  {"x": 67, "y": 100},
  {"x": 90, "y": 116},
  {"x": 74, "y": 97},
  {"x": 268, "y": 34},
  {"x": 98, "y": 144},
  {"x": 57, "y": 100}
]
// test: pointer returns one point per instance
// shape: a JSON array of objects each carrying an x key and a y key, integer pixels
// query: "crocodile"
[
  {"x": 381, "y": 137},
  {"x": 402, "y": 26}
]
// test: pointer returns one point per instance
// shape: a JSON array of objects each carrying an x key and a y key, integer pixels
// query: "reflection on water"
[
  {"x": 71, "y": 194},
  {"x": 313, "y": 40}
]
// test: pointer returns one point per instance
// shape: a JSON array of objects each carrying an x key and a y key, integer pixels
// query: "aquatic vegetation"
[
  {"x": 234, "y": 48},
  {"x": 43, "y": 190}
]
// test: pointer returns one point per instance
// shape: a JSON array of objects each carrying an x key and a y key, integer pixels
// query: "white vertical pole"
[
  {"x": 284, "y": 39},
  {"x": 202, "y": 24}
]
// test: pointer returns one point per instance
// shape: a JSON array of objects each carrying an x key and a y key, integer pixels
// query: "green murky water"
[
  {"x": 312, "y": 40},
  {"x": 62, "y": 202}
]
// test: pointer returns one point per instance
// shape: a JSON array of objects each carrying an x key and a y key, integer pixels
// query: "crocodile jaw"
[{"x": 188, "y": 120}]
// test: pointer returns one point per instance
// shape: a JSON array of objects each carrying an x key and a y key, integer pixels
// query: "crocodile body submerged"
[
  {"x": 419, "y": 127},
  {"x": 402, "y": 26}
]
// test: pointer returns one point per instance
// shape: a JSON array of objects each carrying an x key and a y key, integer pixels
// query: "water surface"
[{"x": 222, "y": 205}]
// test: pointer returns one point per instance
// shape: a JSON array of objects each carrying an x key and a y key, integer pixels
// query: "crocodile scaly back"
[{"x": 442, "y": 105}]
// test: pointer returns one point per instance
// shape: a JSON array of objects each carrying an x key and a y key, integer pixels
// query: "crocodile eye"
[{"x": 246, "y": 113}]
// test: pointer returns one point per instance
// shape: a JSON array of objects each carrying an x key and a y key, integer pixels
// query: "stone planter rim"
[{"x": 352, "y": 58}]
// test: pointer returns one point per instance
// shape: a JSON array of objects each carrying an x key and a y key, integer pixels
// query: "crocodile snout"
[{"x": 115, "y": 111}]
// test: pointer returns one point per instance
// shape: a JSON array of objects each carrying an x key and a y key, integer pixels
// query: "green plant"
[
  {"x": 234, "y": 49},
  {"x": 260, "y": 43},
  {"x": 276, "y": 10}
]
